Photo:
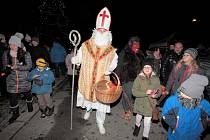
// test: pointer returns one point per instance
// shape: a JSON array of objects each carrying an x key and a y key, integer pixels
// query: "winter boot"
[
  {"x": 50, "y": 111},
  {"x": 145, "y": 138},
  {"x": 136, "y": 131},
  {"x": 15, "y": 115},
  {"x": 30, "y": 106},
  {"x": 43, "y": 112}
]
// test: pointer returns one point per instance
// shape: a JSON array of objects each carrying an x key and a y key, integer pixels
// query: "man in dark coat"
[
  {"x": 169, "y": 60},
  {"x": 129, "y": 66}
]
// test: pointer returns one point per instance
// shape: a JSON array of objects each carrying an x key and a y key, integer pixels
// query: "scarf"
[{"x": 190, "y": 103}]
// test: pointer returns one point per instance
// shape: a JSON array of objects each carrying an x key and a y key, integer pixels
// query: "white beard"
[{"x": 102, "y": 39}]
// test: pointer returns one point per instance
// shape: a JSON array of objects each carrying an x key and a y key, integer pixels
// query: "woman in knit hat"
[
  {"x": 186, "y": 112},
  {"x": 18, "y": 62},
  {"x": 182, "y": 70}
]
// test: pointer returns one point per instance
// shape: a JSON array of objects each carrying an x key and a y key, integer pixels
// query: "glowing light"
[{"x": 194, "y": 20}]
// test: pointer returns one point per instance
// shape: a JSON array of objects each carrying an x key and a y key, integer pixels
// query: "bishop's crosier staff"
[{"x": 75, "y": 38}]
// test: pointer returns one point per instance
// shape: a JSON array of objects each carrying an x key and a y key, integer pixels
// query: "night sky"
[{"x": 151, "y": 20}]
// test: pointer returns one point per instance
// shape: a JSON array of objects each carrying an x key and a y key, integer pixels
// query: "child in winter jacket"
[
  {"x": 144, "y": 90},
  {"x": 186, "y": 112},
  {"x": 43, "y": 78}
]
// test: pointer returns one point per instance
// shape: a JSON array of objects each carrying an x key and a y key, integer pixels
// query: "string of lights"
[{"x": 50, "y": 11}]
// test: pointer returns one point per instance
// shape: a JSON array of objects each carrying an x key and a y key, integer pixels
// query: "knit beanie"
[
  {"x": 15, "y": 40},
  {"x": 194, "y": 86},
  {"x": 147, "y": 61},
  {"x": 19, "y": 35},
  {"x": 192, "y": 51}
]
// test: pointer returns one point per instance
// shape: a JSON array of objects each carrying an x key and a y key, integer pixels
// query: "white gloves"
[{"x": 75, "y": 60}]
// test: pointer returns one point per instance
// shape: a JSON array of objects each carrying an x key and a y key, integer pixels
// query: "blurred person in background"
[
  {"x": 57, "y": 57},
  {"x": 3, "y": 73},
  {"x": 204, "y": 66},
  {"x": 169, "y": 60}
]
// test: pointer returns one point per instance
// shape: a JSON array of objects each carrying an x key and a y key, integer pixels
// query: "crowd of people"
[
  {"x": 27, "y": 70},
  {"x": 148, "y": 81},
  {"x": 168, "y": 71},
  {"x": 176, "y": 81}
]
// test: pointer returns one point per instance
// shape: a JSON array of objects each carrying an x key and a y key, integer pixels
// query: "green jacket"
[{"x": 140, "y": 86}]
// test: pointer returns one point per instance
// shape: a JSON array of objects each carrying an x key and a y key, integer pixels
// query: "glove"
[
  {"x": 75, "y": 60},
  {"x": 7, "y": 70}
]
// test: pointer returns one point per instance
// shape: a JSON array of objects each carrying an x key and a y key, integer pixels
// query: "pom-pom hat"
[
  {"x": 15, "y": 40},
  {"x": 194, "y": 86}
]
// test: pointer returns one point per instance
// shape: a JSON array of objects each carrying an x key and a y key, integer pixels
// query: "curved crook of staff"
[{"x": 75, "y": 38}]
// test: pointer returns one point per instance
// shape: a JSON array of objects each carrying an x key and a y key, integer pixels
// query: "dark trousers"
[
  {"x": 59, "y": 69},
  {"x": 127, "y": 96},
  {"x": 14, "y": 98},
  {"x": 70, "y": 78}
]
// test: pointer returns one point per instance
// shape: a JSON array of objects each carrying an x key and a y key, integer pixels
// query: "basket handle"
[{"x": 118, "y": 80}]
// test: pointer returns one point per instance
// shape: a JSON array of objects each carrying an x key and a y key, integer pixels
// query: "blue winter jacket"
[
  {"x": 185, "y": 124},
  {"x": 57, "y": 53},
  {"x": 47, "y": 78}
]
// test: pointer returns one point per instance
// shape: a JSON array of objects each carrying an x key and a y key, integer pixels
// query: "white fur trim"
[{"x": 142, "y": 74}]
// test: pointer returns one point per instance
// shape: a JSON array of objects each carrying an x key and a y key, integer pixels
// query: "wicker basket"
[{"x": 107, "y": 92}]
